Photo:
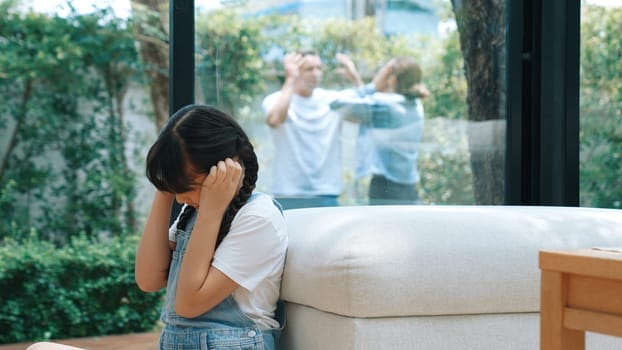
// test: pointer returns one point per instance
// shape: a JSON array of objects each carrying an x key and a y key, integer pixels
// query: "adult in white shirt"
[{"x": 305, "y": 132}]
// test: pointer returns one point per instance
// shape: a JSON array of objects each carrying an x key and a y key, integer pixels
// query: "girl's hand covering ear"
[{"x": 221, "y": 185}]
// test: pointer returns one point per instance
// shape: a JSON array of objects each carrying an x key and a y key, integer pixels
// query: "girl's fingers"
[
  {"x": 211, "y": 177},
  {"x": 235, "y": 170},
  {"x": 224, "y": 171},
  {"x": 221, "y": 184}
]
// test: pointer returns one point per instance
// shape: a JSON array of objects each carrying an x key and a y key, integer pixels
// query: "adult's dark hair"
[
  {"x": 307, "y": 52},
  {"x": 408, "y": 74},
  {"x": 195, "y": 138}
]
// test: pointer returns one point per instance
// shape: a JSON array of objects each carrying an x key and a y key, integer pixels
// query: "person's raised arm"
[
  {"x": 347, "y": 69},
  {"x": 355, "y": 104},
  {"x": 200, "y": 286},
  {"x": 383, "y": 77},
  {"x": 153, "y": 255},
  {"x": 277, "y": 114}
]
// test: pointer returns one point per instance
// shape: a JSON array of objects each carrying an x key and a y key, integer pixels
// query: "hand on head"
[
  {"x": 420, "y": 90},
  {"x": 221, "y": 185},
  {"x": 291, "y": 64},
  {"x": 348, "y": 70},
  {"x": 383, "y": 78}
]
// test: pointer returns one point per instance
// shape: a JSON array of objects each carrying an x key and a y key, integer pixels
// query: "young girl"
[{"x": 223, "y": 275}]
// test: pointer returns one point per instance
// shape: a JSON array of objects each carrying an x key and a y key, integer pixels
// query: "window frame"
[
  {"x": 542, "y": 77},
  {"x": 542, "y": 150}
]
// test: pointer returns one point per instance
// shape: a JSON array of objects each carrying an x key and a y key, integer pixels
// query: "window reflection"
[
  {"x": 459, "y": 135},
  {"x": 601, "y": 104}
]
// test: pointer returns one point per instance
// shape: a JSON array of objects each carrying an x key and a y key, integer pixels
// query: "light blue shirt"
[{"x": 390, "y": 130}]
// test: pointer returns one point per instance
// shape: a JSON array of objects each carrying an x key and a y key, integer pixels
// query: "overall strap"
[{"x": 278, "y": 205}]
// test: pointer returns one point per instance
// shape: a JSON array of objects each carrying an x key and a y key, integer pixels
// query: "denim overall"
[{"x": 224, "y": 327}]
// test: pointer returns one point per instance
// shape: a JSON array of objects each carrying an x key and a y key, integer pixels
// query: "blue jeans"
[{"x": 383, "y": 191}]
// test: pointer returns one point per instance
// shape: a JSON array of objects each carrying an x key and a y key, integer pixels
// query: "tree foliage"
[
  {"x": 150, "y": 24},
  {"x": 601, "y": 107},
  {"x": 63, "y": 81},
  {"x": 229, "y": 59}
]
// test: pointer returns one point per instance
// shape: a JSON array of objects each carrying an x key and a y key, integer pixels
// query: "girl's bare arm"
[
  {"x": 200, "y": 286},
  {"x": 154, "y": 255}
]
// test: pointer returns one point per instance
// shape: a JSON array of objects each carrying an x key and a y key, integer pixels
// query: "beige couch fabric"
[
  {"x": 359, "y": 269},
  {"x": 316, "y": 330}
]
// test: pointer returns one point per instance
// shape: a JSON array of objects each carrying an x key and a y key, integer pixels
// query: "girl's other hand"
[{"x": 221, "y": 185}]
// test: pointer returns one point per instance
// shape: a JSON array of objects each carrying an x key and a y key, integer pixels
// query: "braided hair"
[{"x": 201, "y": 136}]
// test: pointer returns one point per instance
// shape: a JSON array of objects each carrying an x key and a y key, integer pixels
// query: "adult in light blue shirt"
[{"x": 391, "y": 118}]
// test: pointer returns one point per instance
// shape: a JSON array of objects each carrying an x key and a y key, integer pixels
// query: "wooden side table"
[{"x": 581, "y": 291}]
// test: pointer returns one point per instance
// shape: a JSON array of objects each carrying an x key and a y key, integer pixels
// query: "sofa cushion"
[
  {"x": 387, "y": 261},
  {"x": 310, "y": 329}
]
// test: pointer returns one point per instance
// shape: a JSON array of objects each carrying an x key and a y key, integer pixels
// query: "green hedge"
[{"x": 85, "y": 288}]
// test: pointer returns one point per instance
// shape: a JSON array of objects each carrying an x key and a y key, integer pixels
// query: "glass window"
[
  {"x": 601, "y": 104},
  {"x": 433, "y": 135}
]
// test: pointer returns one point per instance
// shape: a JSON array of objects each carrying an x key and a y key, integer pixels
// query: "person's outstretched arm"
[
  {"x": 277, "y": 114},
  {"x": 153, "y": 255},
  {"x": 356, "y": 105}
]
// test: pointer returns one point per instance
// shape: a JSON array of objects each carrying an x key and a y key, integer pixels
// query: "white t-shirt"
[
  {"x": 307, "y": 146},
  {"x": 253, "y": 255}
]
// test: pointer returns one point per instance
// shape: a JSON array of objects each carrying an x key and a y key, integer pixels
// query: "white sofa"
[{"x": 428, "y": 277}]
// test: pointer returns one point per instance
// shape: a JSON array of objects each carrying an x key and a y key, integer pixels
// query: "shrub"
[
  {"x": 85, "y": 288},
  {"x": 601, "y": 107},
  {"x": 445, "y": 178}
]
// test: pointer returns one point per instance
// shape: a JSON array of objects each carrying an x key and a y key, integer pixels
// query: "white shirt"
[
  {"x": 253, "y": 255},
  {"x": 307, "y": 146}
]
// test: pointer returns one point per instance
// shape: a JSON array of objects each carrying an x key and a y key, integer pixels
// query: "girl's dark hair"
[{"x": 195, "y": 138}]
